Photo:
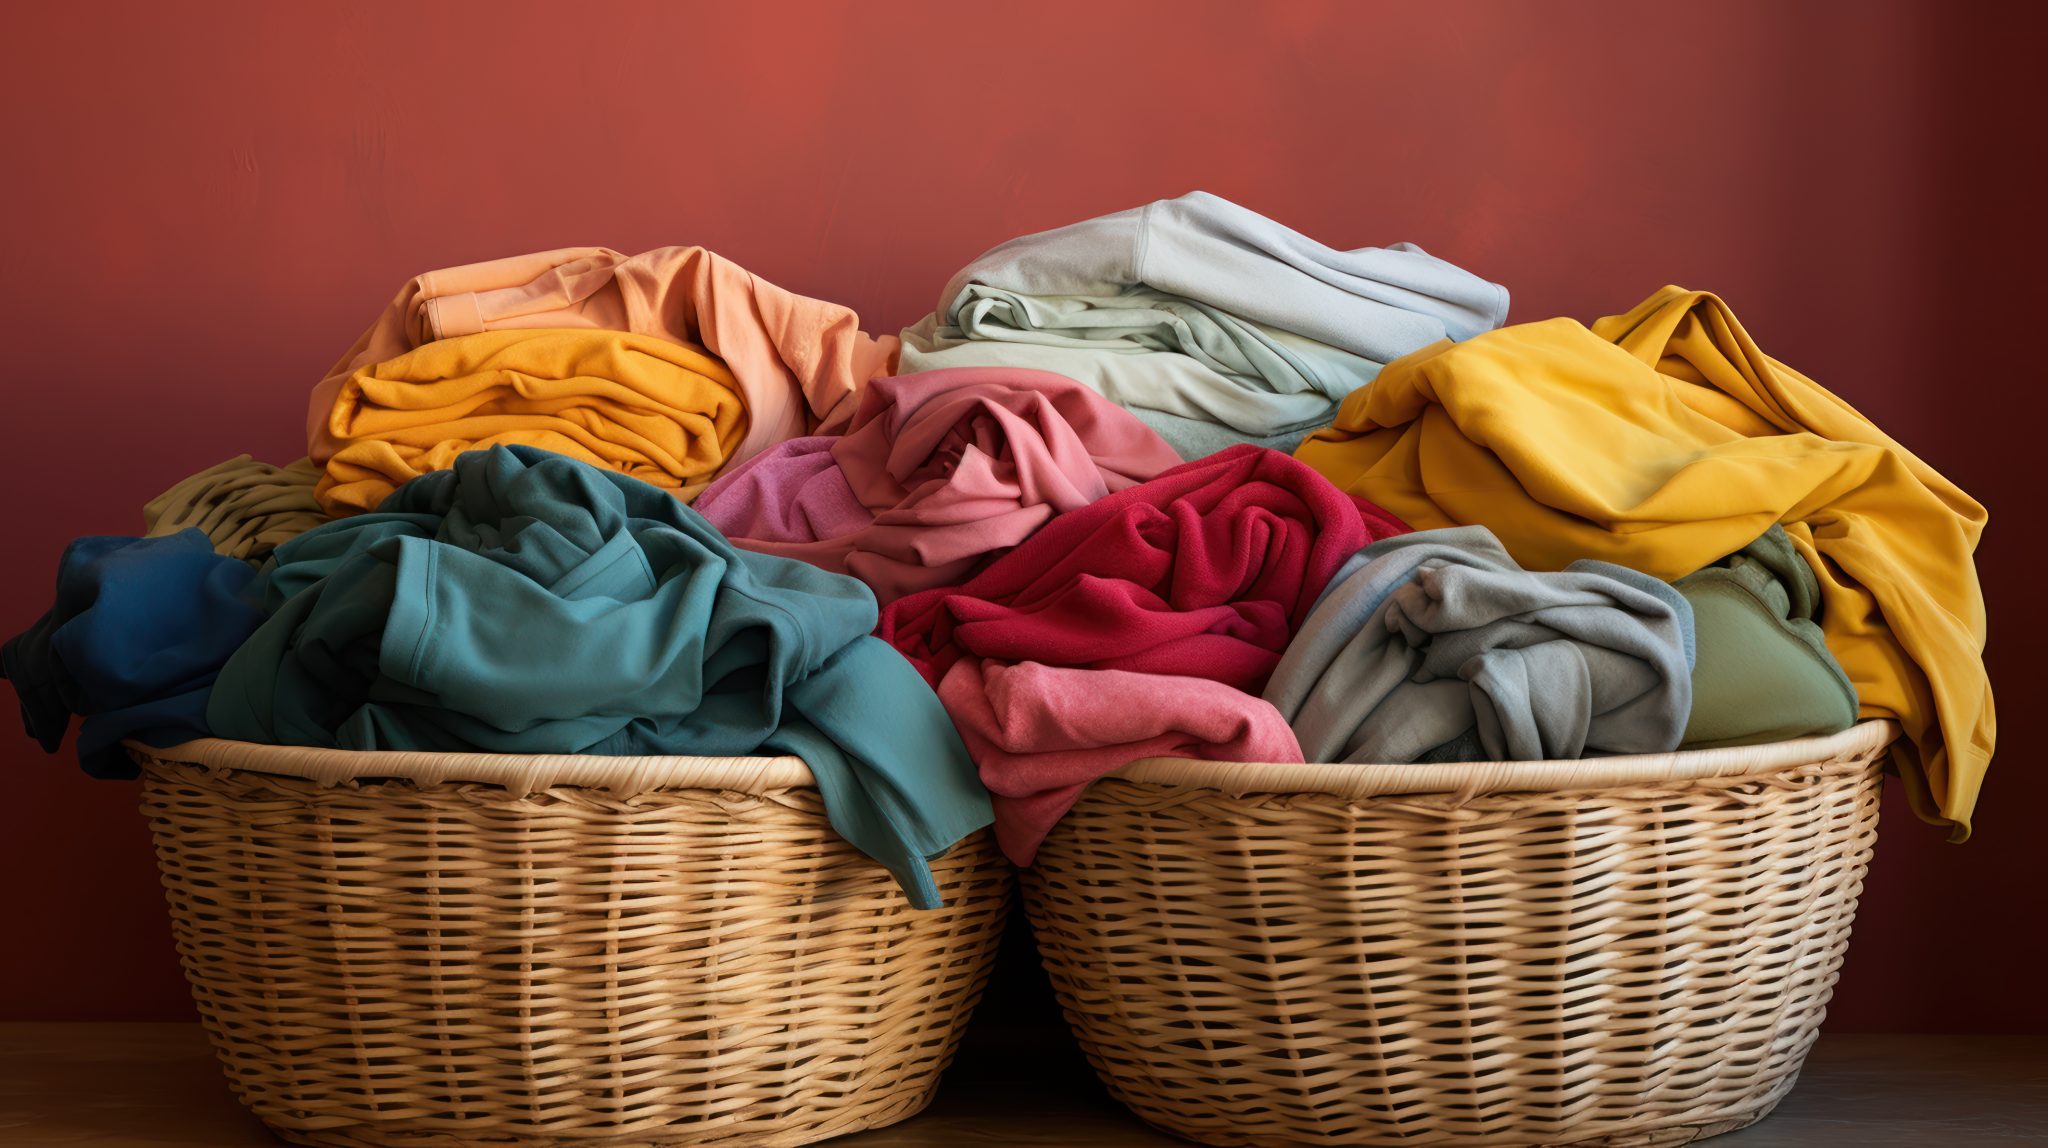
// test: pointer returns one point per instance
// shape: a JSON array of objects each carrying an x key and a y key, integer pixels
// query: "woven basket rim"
[
  {"x": 517, "y": 773},
  {"x": 1341, "y": 779},
  {"x": 625, "y": 776}
]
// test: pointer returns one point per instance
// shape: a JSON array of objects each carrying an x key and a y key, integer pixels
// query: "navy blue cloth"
[{"x": 139, "y": 631}]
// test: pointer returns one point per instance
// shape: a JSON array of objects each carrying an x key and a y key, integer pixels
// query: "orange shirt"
[
  {"x": 797, "y": 362},
  {"x": 662, "y": 412}
]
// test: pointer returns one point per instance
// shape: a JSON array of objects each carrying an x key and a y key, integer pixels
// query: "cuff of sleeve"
[{"x": 451, "y": 316}]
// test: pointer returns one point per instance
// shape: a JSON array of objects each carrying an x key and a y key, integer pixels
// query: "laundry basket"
[
  {"x": 1624, "y": 951},
  {"x": 437, "y": 950}
]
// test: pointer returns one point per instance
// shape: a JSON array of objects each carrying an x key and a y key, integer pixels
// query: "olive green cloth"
[
  {"x": 245, "y": 508},
  {"x": 1762, "y": 671}
]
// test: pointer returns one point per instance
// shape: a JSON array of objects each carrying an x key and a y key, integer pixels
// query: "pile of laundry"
[{"x": 1175, "y": 482}]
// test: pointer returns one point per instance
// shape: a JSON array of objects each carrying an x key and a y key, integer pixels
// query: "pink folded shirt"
[
  {"x": 799, "y": 362},
  {"x": 937, "y": 474},
  {"x": 1041, "y": 735},
  {"x": 1202, "y": 574}
]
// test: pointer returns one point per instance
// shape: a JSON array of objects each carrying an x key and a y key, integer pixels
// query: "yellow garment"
[
  {"x": 663, "y": 412},
  {"x": 1663, "y": 439}
]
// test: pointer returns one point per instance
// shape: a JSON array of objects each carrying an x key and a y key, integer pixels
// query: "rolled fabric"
[
  {"x": 1664, "y": 439},
  {"x": 139, "y": 631},
  {"x": 1763, "y": 671},
  {"x": 655, "y": 410},
  {"x": 1202, "y": 573},
  {"x": 523, "y": 602},
  {"x": 797, "y": 362},
  {"x": 1435, "y": 646},
  {"x": 1213, "y": 323},
  {"x": 937, "y": 474},
  {"x": 247, "y": 508}
]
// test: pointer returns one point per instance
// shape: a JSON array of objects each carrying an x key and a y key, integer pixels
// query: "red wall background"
[{"x": 205, "y": 205}]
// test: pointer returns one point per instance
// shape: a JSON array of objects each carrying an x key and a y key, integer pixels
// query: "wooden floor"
[{"x": 155, "y": 1086}]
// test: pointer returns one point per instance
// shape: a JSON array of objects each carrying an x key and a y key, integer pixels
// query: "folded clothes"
[
  {"x": 139, "y": 630},
  {"x": 247, "y": 508},
  {"x": 523, "y": 602},
  {"x": 1202, "y": 573},
  {"x": 1763, "y": 672},
  {"x": 937, "y": 474},
  {"x": 656, "y": 410},
  {"x": 1435, "y": 646},
  {"x": 1663, "y": 440},
  {"x": 797, "y": 362},
  {"x": 1215, "y": 324}
]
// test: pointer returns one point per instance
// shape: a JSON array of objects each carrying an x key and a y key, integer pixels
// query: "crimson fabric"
[
  {"x": 938, "y": 473},
  {"x": 1204, "y": 572}
]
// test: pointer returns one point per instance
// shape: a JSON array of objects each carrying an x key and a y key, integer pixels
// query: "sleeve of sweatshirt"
[{"x": 896, "y": 779}]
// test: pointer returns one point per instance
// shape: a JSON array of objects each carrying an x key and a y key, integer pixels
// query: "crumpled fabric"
[
  {"x": 1040, "y": 734},
  {"x": 937, "y": 474},
  {"x": 659, "y": 411},
  {"x": 1664, "y": 439},
  {"x": 1203, "y": 573},
  {"x": 1435, "y": 646},
  {"x": 1763, "y": 673},
  {"x": 797, "y": 362},
  {"x": 139, "y": 630},
  {"x": 523, "y": 602},
  {"x": 247, "y": 508},
  {"x": 1211, "y": 322}
]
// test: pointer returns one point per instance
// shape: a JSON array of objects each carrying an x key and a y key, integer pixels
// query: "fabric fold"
[
  {"x": 797, "y": 362},
  {"x": 139, "y": 630},
  {"x": 1211, "y": 322},
  {"x": 1203, "y": 573},
  {"x": 658, "y": 411},
  {"x": 246, "y": 508},
  {"x": 523, "y": 602},
  {"x": 937, "y": 474},
  {"x": 1040, "y": 735},
  {"x": 1435, "y": 646},
  {"x": 1663, "y": 440},
  {"x": 1764, "y": 673}
]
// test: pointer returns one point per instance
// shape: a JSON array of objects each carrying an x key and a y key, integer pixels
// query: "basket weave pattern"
[
  {"x": 385, "y": 963},
  {"x": 1641, "y": 964}
]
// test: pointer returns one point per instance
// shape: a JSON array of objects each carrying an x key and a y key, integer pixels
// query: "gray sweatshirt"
[{"x": 1436, "y": 646}]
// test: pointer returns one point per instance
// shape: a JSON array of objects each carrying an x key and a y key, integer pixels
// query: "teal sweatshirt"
[{"x": 524, "y": 602}]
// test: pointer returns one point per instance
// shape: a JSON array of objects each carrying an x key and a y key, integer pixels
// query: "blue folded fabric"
[
  {"x": 139, "y": 630},
  {"x": 524, "y": 602}
]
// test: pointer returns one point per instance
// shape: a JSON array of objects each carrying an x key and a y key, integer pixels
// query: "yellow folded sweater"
[
  {"x": 661, "y": 411},
  {"x": 1663, "y": 439}
]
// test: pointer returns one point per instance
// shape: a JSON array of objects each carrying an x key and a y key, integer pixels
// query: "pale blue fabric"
[{"x": 1213, "y": 323}]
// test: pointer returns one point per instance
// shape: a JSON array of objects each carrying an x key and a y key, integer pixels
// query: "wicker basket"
[
  {"x": 464, "y": 949},
  {"x": 1625, "y": 951}
]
